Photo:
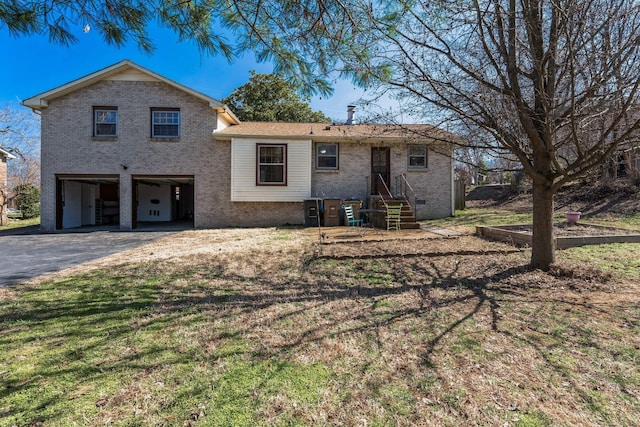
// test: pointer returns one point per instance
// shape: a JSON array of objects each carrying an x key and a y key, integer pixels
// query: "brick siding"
[
  {"x": 3, "y": 185},
  {"x": 353, "y": 179},
  {"x": 68, "y": 147}
]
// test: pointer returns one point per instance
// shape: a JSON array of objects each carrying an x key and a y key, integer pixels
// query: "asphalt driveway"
[{"x": 30, "y": 254}]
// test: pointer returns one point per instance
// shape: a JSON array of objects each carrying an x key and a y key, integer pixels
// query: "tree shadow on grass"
[{"x": 147, "y": 318}]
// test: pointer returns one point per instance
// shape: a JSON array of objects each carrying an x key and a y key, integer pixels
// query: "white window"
[
  {"x": 272, "y": 164},
  {"x": 165, "y": 123},
  {"x": 417, "y": 156},
  {"x": 105, "y": 121},
  {"x": 326, "y": 156}
]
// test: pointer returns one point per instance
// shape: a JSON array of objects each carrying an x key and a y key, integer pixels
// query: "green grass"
[
  {"x": 618, "y": 258},
  {"x": 472, "y": 217},
  {"x": 629, "y": 221},
  {"x": 272, "y": 336},
  {"x": 17, "y": 223},
  {"x": 621, "y": 259},
  {"x": 532, "y": 420},
  {"x": 100, "y": 343}
]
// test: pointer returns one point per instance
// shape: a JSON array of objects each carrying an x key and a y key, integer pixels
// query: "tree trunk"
[{"x": 543, "y": 245}]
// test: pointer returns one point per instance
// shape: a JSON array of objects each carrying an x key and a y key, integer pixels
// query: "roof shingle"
[{"x": 322, "y": 131}]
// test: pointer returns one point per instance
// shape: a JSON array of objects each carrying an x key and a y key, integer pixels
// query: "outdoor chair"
[
  {"x": 352, "y": 223},
  {"x": 393, "y": 217}
]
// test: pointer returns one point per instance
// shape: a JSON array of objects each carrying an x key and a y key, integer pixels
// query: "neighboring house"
[
  {"x": 125, "y": 145},
  {"x": 4, "y": 190},
  {"x": 624, "y": 163}
]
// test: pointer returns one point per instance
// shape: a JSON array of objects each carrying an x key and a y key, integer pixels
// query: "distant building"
[{"x": 4, "y": 156}]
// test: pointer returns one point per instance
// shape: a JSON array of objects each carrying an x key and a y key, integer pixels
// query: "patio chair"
[
  {"x": 352, "y": 223},
  {"x": 393, "y": 217}
]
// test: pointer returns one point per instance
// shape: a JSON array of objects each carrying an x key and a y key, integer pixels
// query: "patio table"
[{"x": 366, "y": 214}]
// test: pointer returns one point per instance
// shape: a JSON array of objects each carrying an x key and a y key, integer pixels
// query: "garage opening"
[
  {"x": 87, "y": 200},
  {"x": 161, "y": 200}
]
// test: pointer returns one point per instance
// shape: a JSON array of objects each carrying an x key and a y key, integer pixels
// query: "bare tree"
[
  {"x": 24, "y": 170},
  {"x": 551, "y": 81},
  {"x": 4, "y": 192},
  {"x": 4, "y": 201}
]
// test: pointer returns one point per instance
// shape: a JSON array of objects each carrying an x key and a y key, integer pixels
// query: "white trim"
[
  {"x": 7, "y": 154},
  {"x": 282, "y": 164}
]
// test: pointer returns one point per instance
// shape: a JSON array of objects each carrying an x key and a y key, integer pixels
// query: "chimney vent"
[{"x": 351, "y": 111}]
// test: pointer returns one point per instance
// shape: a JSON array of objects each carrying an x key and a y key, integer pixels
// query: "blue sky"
[{"x": 32, "y": 65}]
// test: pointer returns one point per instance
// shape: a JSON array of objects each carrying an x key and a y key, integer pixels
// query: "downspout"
[
  {"x": 453, "y": 185},
  {"x": 319, "y": 227}
]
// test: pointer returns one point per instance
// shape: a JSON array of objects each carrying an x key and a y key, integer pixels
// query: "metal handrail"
[
  {"x": 385, "y": 186},
  {"x": 384, "y": 202},
  {"x": 404, "y": 186}
]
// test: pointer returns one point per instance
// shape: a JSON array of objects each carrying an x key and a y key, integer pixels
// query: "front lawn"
[
  {"x": 249, "y": 327},
  {"x": 19, "y": 222}
]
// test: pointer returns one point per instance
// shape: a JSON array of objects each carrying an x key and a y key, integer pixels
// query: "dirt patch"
[
  {"x": 416, "y": 248},
  {"x": 620, "y": 197},
  {"x": 337, "y": 235},
  {"x": 190, "y": 245}
]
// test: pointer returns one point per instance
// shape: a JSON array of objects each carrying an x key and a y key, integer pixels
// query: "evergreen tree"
[{"x": 271, "y": 98}]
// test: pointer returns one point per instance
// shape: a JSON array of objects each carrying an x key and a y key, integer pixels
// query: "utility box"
[
  {"x": 331, "y": 212},
  {"x": 312, "y": 208}
]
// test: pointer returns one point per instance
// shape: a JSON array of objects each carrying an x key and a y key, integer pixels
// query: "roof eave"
[
  {"x": 40, "y": 101},
  {"x": 226, "y": 113},
  {"x": 7, "y": 154},
  {"x": 321, "y": 138}
]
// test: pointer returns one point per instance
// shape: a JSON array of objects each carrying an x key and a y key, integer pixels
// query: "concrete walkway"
[{"x": 440, "y": 231}]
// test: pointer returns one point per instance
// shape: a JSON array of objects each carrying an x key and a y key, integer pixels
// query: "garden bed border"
[{"x": 511, "y": 234}]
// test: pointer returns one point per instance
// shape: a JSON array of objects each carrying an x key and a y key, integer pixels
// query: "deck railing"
[{"x": 407, "y": 191}]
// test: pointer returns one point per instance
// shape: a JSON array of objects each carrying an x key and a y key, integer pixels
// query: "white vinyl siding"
[{"x": 243, "y": 172}]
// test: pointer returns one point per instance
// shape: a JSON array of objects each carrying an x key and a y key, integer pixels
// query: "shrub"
[{"x": 28, "y": 200}]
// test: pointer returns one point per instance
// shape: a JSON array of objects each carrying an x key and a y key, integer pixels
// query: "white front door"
[{"x": 88, "y": 204}]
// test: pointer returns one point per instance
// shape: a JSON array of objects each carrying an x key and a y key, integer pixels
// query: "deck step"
[
  {"x": 409, "y": 225},
  {"x": 407, "y": 219}
]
